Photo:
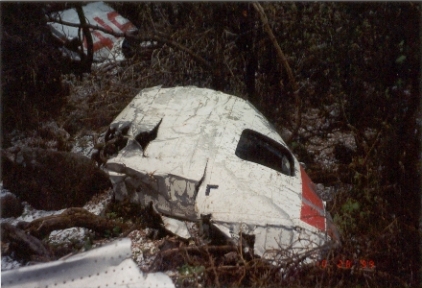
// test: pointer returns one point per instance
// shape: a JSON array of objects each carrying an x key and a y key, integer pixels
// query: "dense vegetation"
[{"x": 358, "y": 64}]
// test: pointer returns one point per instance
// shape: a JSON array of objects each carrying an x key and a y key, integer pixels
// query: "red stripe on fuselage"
[{"x": 309, "y": 212}]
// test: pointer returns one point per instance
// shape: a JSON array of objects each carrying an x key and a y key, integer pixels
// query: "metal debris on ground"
[
  {"x": 107, "y": 266},
  {"x": 105, "y": 46},
  {"x": 204, "y": 157}
]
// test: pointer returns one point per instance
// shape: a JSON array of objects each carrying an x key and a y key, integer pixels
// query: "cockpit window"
[{"x": 262, "y": 150}]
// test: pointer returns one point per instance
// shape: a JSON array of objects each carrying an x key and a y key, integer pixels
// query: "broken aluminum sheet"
[
  {"x": 202, "y": 156},
  {"x": 107, "y": 266},
  {"x": 106, "y": 46}
]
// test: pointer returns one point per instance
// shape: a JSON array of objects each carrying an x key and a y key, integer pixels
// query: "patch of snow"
[
  {"x": 144, "y": 250},
  {"x": 98, "y": 203},
  {"x": 3, "y": 191},
  {"x": 30, "y": 213},
  {"x": 71, "y": 235},
  {"x": 8, "y": 263},
  {"x": 77, "y": 234},
  {"x": 84, "y": 145},
  {"x": 147, "y": 44}
]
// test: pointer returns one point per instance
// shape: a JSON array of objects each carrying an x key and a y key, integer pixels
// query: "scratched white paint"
[
  {"x": 106, "y": 46},
  {"x": 193, "y": 156}
]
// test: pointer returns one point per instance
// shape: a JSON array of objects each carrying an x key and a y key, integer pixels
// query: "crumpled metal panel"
[
  {"x": 106, "y": 46},
  {"x": 189, "y": 170},
  {"x": 107, "y": 266}
]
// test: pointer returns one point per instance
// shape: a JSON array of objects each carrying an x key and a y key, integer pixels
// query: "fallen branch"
[
  {"x": 284, "y": 63},
  {"x": 72, "y": 217},
  {"x": 87, "y": 61},
  {"x": 24, "y": 244},
  {"x": 86, "y": 25}
]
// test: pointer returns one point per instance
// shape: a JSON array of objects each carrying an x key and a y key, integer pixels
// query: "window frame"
[{"x": 272, "y": 147}]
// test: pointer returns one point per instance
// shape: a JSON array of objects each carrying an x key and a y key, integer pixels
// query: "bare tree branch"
[
  {"x": 72, "y": 217},
  {"x": 86, "y": 25},
  {"x": 26, "y": 244},
  {"x": 283, "y": 62},
  {"x": 87, "y": 61}
]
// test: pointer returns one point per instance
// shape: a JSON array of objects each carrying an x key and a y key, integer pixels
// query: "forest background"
[{"x": 356, "y": 64}]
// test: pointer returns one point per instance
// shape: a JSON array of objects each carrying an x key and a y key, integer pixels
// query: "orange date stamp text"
[{"x": 348, "y": 264}]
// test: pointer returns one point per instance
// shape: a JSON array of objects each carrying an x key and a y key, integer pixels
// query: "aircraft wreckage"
[{"x": 211, "y": 160}]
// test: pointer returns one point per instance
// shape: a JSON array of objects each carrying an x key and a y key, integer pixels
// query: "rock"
[
  {"x": 51, "y": 180},
  {"x": 10, "y": 206}
]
